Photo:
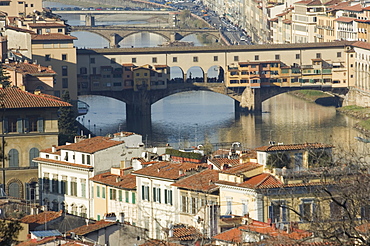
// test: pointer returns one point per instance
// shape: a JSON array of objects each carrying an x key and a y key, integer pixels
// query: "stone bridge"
[
  {"x": 138, "y": 103},
  {"x": 114, "y": 34}
]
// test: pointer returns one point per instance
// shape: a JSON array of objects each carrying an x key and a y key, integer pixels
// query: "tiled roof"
[
  {"x": 221, "y": 152},
  {"x": 91, "y": 227},
  {"x": 360, "y": 44},
  {"x": 124, "y": 134},
  {"x": 345, "y": 19},
  {"x": 287, "y": 147},
  {"x": 260, "y": 181},
  {"x": 52, "y": 36},
  {"x": 35, "y": 242},
  {"x": 16, "y": 98},
  {"x": 357, "y": 8},
  {"x": 332, "y": 2},
  {"x": 203, "y": 181},
  {"x": 287, "y": 21},
  {"x": 28, "y": 68},
  {"x": 309, "y": 2},
  {"x": 183, "y": 233},
  {"x": 169, "y": 170},
  {"x": 127, "y": 181},
  {"x": 39, "y": 159},
  {"x": 219, "y": 162},
  {"x": 20, "y": 29},
  {"x": 92, "y": 145},
  {"x": 235, "y": 235},
  {"x": 242, "y": 168},
  {"x": 156, "y": 242},
  {"x": 53, "y": 24},
  {"x": 41, "y": 218}
]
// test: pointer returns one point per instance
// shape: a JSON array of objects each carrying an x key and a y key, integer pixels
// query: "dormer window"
[
  {"x": 66, "y": 157},
  {"x": 88, "y": 159}
]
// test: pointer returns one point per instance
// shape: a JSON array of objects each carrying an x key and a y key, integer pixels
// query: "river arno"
[{"x": 193, "y": 118}]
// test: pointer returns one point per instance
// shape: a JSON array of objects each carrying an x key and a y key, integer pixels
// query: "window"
[
  {"x": 64, "y": 185},
  {"x": 127, "y": 196},
  {"x": 48, "y": 57},
  {"x": 244, "y": 207},
  {"x": 306, "y": 209},
  {"x": 60, "y": 30},
  {"x": 297, "y": 56},
  {"x": 64, "y": 83},
  {"x": 133, "y": 197},
  {"x": 83, "y": 158},
  {"x": 318, "y": 55},
  {"x": 215, "y": 58},
  {"x": 13, "y": 157},
  {"x": 88, "y": 159},
  {"x": 103, "y": 192},
  {"x": 229, "y": 201},
  {"x": 236, "y": 58},
  {"x": 145, "y": 192},
  {"x": 184, "y": 203},
  {"x": 39, "y": 31},
  {"x": 194, "y": 205},
  {"x": 339, "y": 54},
  {"x": 97, "y": 191},
  {"x": 14, "y": 190},
  {"x": 120, "y": 195},
  {"x": 174, "y": 59},
  {"x": 278, "y": 211},
  {"x": 47, "y": 30},
  {"x": 277, "y": 57},
  {"x": 73, "y": 187},
  {"x": 133, "y": 60},
  {"x": 92, "y": 60},
  {"x": 113, "y": 60},
  {"x": 157, "y": 194},
  {"x": 195, "y": 59},
  {"x": 34, "y": 152},
  {"x": 64, "y": 71},
  {"x": 154, "y": 59},
  {"x": 64, "y": 57},
  {"x": 168, "y": 196},
  {"x": 54, "y": 184},
  {"x": 83, "y": 70},
  {"x": 46, "y": 183},
  {"x": 256, "y": 57},
  {"x": 83, "y": 187},
  {"x": 112, "y": 194}
]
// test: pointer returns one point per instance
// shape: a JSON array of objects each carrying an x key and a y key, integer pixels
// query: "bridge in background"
[{"x": 114, "y": 34}]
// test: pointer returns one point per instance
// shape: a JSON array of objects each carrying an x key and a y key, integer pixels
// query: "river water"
[{"x": 192, "y": 118}]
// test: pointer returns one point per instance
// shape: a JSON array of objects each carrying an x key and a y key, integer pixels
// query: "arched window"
[
  {"x": 74, "y": 209},
  {"x": 32, "y": 190},
  {"x": 13, "y": 157},
  {"x": 14, "y": 190},
  {"x": 34, "y": 152},
  {"x": 83, "y": 211}
]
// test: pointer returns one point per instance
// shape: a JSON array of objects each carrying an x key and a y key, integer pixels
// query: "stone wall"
[{"x": 357, "y": 97}]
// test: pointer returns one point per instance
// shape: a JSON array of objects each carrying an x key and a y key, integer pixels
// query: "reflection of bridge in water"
[
  {"x": 249, "y": 74},
  {"x": 114, "y": 34}
]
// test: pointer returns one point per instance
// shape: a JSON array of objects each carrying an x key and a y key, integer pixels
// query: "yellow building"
[
  {"x": 29, "y": 123},
  {"x": 21, "y": 8},
  {"x": 149, "y": 77},
  {"x": 114, "y": 195}
]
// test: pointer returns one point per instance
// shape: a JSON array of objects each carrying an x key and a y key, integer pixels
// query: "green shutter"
[{"x": 133, "y": 198}]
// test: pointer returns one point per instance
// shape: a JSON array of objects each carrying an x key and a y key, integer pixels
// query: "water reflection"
[{"x": 191, "y": 118}]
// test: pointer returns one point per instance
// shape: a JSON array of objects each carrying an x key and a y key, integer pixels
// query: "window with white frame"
[
  {"x": 168, "y": 196},
  {"x": 307, "y": 209},
  {"x": 244, "y": 207},
  {"x": 184, "y": 203},
  {"x": 83, "y": 187},
  {"x": 278, "y": 211},
  {"x": 157, "y": 194},
  {"x": 145, "y": 192},
  {"x": 229, "y": 201}
]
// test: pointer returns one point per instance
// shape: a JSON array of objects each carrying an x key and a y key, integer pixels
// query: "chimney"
[
  {"x": 53, "y": 148},
  {"x": 39, "y": 68},
  {"x": 118, "y": 179},
  {"x": 50, "y": 67},
  {"x": 181, "y": 172}
]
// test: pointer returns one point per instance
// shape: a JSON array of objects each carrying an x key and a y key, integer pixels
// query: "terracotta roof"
[
  {"x": 242, "y": 168},
  {"x": 221, "y": 152},
  {"x": 53, "y": 24},
  {"x": 127, "y": 181},
  {"x": 39, "y": 159},
  {"x": 287, "y": 147},
  {"x": 360, "y": 44},
  {"x": 35, "y": 242},
  {"x": 203, "y": 181},
  {"x": 156, "y": 242},
  {"x": 16, "y": 98},
  {"x": 345, "y": 19},
  {"x": 92, "y": 145},
  {"x": 28, "y": 68},
  {"x": 332, "y": 2},
  {"x": 91, "y": 227},
  {"x": 356, "y": 8},
  {"x": 309, "y": 2},
  {"x": 20, "y": 29},
  {"x": 286, "y": 21},
  {"x": 41, "y": 218},
  {"x": 219, "y": 162},
  {"x": 185, "y": 233},
  {"x": 274, "y": 19},
  {"x": 235, "y": 235},
  {"x": 124, "y": 134},
  {"x": 169, "y": 170},
  {"x": 52, "y": 36},
  {"x": 260, "y": 181}
]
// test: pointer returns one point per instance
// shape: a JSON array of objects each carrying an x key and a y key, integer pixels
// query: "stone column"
[
  {"x": 114, "y": 40},
  {"x": 138, "y": 112},
  {"x": 89, "y": 20},
  {"x": 250, "y": 101}
]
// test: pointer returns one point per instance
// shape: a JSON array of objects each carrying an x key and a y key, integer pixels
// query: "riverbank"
[{"x": 314, "y": 96}]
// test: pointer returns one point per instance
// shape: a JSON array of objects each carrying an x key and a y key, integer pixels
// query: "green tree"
[
  {"x": 278, "y": 160},
  {"x": 4, "y": 77},
  {"x": 66, "y": 122},
  {"x": 9, "y": 230}
]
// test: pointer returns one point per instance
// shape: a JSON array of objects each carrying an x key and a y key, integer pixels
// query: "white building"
[{"x": 66, "y": 170}]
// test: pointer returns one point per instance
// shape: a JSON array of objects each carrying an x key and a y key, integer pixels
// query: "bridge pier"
[
  {"x": 250, "y": 101},
  {"x": 114, "y": 40},
  {"x": 138, "y": 113},
  {"x": 89, "y": 20}
]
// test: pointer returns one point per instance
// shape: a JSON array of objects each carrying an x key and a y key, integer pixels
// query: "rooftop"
[
  {"x": 203, "y": 181},
  {"x": 29, "y": 68},
  {"x": 91, "y": 227},
  {"x": 41, "y": 218},
  {"x": 286, "y": 147},
  {"x": 127, "y": 181}
]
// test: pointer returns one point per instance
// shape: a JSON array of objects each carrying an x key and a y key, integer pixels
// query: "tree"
[
  {"x": 66, "y": 122},
  {"x": 4, "y": 77},
  {"x": 278, "y": 160},
  {"x": 9, "y": 230}
]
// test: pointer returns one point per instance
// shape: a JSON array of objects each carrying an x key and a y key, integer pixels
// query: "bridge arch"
[
  {"x": 152, "y": 32},
  {"x": 195, "y": 74},
  {"x": 215, "y": 74},
  {"x": 177, "y": 74},
  {"x": 204, "y": 36},
  {"x": 83, "y": 40}
]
